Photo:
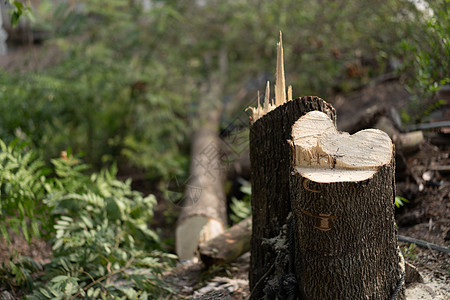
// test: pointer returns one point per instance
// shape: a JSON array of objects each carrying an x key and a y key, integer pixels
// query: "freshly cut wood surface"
[{"x": 323, "y": 154}]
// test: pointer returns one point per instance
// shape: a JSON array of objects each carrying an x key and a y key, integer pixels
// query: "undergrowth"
[{"x": 97, "y": 225}]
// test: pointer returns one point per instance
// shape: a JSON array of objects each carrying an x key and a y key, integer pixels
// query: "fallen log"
[
  {"x": 203, "y": 215},
  {"x": 228, "y": 246},
  {"x": 404, "y": 142}
]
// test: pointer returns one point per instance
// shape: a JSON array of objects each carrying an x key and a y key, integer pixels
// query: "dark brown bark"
[
  {"x": 345, "y": 238},
  {"x": 318, "y": 240},
  {"x": 228, "y": 246},
  {"x": 270, "y": 160}
]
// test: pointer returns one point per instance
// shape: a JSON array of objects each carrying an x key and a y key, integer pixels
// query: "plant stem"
[{"x": 127, "y": 265}]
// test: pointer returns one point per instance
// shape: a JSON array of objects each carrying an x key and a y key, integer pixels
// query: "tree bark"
[
  {"x": 346, "y": 245},
  {"x": 271, "y": 164},
  {"x": 323, "y": 208}
]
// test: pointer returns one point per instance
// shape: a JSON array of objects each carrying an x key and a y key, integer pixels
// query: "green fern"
[
  {"x": 22, "y": 187},
  {"x": 102, "y": 245},
  {"x": 241, "y": 209}
]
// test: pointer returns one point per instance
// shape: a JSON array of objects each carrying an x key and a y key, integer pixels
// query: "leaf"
[
  {"x": 246, "y": 189},
  {"x": 15, "y": 17},
  {"x": 113, "y": 209},
  {"x": 87, "y": 221},
  {"x": 59, "y": 278},
  {"x": 400, "y": 201},
  {"x": 4, "y": 232},
  {"x": 24, "y": 227},
  {"x": 45, "y": 293},
  {"x": 18, "y": 5}
]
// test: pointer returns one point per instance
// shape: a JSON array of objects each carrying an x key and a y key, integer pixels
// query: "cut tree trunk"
[
  {"x": 343, "y": 203},
  {"x": 203, "y": 215},
  {"x": 322, "y": 204},
  {"x": 271, "y": 166}
]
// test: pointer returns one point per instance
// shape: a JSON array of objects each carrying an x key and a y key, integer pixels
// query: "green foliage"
[
  {"x": 112, "y": 100},
  {"x": 22, "y": 187},
  {"x": 241, "y": 209},
  {"x": 410, "y": 252},
  {"x": 102, "y": 246},
  {"x": 18, "y": 272},
  {"x": 400, "y": 201},
  {"x": 101, "y": 238},
  {"x": 19, "y": 9},
  {"x": 425, "y": 53},
  {"x": 129, "y": 81}
]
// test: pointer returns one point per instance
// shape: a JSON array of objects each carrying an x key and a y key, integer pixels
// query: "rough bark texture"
[
  {"x": 270, "y": 160},
  {"x": 345, "y": 238}
]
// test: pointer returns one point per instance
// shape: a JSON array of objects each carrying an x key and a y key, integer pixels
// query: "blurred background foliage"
[{"x": 129, "y": 74}]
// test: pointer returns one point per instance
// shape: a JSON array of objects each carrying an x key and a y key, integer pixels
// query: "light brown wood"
[
  {"x": 228, "y": 246},
  {"x": 280, "y": 83},
  {"x": 280, "y": 89},
  {"x": 323, "y": 154},
  {"x": 203, "y": 215},
  {"x": 405, "y": 143}
]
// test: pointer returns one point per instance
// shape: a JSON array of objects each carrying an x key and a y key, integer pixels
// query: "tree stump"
[
  {"x": 271, "y": 166},
  {"x": 343, "y": 190},
  {"x": 322, "y": 204}
]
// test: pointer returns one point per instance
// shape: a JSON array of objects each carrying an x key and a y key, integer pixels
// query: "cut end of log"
[
  {"x": 194, "y": 231},
  {"x": 322, "y": 154}
]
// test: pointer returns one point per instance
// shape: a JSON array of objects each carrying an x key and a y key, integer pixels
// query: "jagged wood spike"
[
  {"x": 289, "y": 93},
  {"x": 267, "y": 97},
  {"x": 280, "y": 85},
  {"x": 258, "y": 109},
  {"x": 280, "y": 89}
]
